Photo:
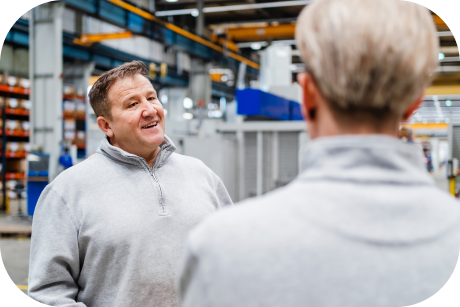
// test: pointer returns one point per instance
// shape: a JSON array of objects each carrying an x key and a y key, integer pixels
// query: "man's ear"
[
  {"x": 414, "y": 106},
  {"x": 309, "y": 96},
  {"x": 104, "y": 125}
]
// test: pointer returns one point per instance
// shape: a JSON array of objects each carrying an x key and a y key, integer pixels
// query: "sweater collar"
[
  {"x": 364, "y": 158},
  {"x": 166, "y": 149}
]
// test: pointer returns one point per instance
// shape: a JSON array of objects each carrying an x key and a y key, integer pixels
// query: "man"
[
  {"x": 363, "y": 224},
  {"x": 109, "y": 231}
]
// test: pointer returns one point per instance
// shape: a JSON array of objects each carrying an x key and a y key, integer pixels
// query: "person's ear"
[
  {"x": 105, "y": 125},
  {"x": 413, "y": 107},
  {"x": 309, "y": 103}
]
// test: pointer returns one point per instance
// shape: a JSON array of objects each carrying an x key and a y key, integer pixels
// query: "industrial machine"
[{"x": 37, "y": 177}]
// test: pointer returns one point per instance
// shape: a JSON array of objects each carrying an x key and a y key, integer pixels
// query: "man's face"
[{"x": 137, "y": 123}]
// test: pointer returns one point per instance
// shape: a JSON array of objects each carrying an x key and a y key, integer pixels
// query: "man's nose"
[{"x": 149, "y": 109}]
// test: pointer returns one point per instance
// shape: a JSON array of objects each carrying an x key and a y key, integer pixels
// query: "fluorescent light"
[
  {"x": 195, "y": 13},
  {"x": 171, "y": 0},
  {"x": 448, "y": 69},
  {"x": 187, "y": 115},
  {"x": 223, "y": 103},
  {"x": 441, "y": 56},
  {"x": 448, "y": 103},
  {"x": 450, "y": 59},
  {"x": 164, "y": 99},
  {"x": 264, "y": 44},
  {"x": 447, "y": 120},
  {"x": 188, "y": 103},
  {"x": 215, "y": 114},
  {"x": 256, "y": 46},
  {"x": 249, "y": 45},
  {"x": 241, "y": 7},
  {"x": 444, "y": 33}
]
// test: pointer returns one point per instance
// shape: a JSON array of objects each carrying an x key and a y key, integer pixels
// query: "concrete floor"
[{"x": 15, "y": 256}]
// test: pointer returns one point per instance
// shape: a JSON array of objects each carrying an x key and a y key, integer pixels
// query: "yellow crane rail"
[
  {"x": 86, "y": 39},
  {"x": 261, "y": 33},
  {"x": 182, "y": 32}
]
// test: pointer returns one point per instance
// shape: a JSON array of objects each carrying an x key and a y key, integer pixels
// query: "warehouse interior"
[{"x": 225, "y": 72}]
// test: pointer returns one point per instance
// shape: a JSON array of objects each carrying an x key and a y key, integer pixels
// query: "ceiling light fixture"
[
  {"x": 242, "y": 7},
  {"x": 444, "y": 33},
  {"x": 256, "y": 46}
]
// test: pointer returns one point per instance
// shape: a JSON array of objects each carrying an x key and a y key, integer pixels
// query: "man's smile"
[{"x": 151, "y": 125}]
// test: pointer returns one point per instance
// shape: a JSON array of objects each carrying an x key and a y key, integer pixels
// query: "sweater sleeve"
[
  {"x": 54, "y": 255},
  {"x": 222, "y": 194},
  {"x": 191, "y": 287}
]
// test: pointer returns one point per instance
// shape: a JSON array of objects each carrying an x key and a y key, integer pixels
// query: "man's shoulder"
[
  {"x": 190, "y": 164},
  {"x": 250, "y": 217},
  {"x": 81, "y": 172}
]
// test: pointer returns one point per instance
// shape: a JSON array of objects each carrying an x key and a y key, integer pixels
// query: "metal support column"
[
  {"x": 45, "y": 43},
  {"x": 241, "y": 165},
  {"x": 259, "y": 163},
  {"x": 200, "y": 18},
  {"x": 275, "y": 171}
]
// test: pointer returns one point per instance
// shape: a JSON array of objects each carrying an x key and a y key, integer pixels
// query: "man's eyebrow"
[
  {"x": 129, "y": 97},
  {"x": 151, "y": 92}
]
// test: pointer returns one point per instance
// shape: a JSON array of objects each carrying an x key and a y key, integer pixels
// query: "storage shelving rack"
[
  {"x": 80, "y": 123},
  {"x": 12, "y": 135}
]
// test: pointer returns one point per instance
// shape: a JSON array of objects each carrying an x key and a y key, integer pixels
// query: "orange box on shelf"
[
  {"x": 15, "y": 175},
  {"x": 16, "y": 154},
  {"x": 13, "y": 89},
  {"x": 17, "y": 111}
]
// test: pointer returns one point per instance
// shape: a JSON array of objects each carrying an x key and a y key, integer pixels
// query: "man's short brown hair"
[{"x": 98, "y": 94}]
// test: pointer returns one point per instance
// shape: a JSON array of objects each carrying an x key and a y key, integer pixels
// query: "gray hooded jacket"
[
  {"x": 362, "y": 225},
  {"x": 110, "y": 230}
]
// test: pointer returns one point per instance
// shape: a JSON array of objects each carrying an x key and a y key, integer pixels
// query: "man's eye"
[
  {"x": 133, "y": 104},
  {"x": 152, "y": 98}
]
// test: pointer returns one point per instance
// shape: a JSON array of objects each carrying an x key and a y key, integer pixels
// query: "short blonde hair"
[{"x": 368, "y": 55}]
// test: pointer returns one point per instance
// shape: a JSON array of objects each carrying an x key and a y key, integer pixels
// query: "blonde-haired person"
[{"x": 363, "y": 224}]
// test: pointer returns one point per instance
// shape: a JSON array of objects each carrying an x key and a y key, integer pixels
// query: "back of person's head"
[{"x": 372, "y": 57}]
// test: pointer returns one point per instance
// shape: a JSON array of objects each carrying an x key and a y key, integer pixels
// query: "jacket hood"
[
  {"x": 166, "y": 149},
  {"x": 369, "y": 159}
]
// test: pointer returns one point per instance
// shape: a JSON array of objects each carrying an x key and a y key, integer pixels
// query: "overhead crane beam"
[
  {"x": 287, "y": 30},
  {"x": 182, "y": 32},
  {"x": 261, "y": 33},
  {"x": 98, "y": 37}
]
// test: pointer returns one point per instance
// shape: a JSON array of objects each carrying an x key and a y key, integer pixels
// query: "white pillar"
[
  {"x": 259, "y": 163},
  {"x": 275, "y": 159},
  {"x": 45, "y": 43},
  {"x": 241, "y": 164}
]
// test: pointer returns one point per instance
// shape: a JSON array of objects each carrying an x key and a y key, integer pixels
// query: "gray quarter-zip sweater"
[
  {"x": 110, "y": 230},
  {"x": 362, "y": 226}
]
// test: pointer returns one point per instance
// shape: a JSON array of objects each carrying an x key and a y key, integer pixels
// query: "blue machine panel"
[
  {"x": 135, "y": 22},
  {"x": 37, "y": 178},
  {"x": 112, "y": 12},
  {"x": 295, "y": 112},
  {"x": 87, "y": 5},
  {"x": 253, "y": 102}
]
